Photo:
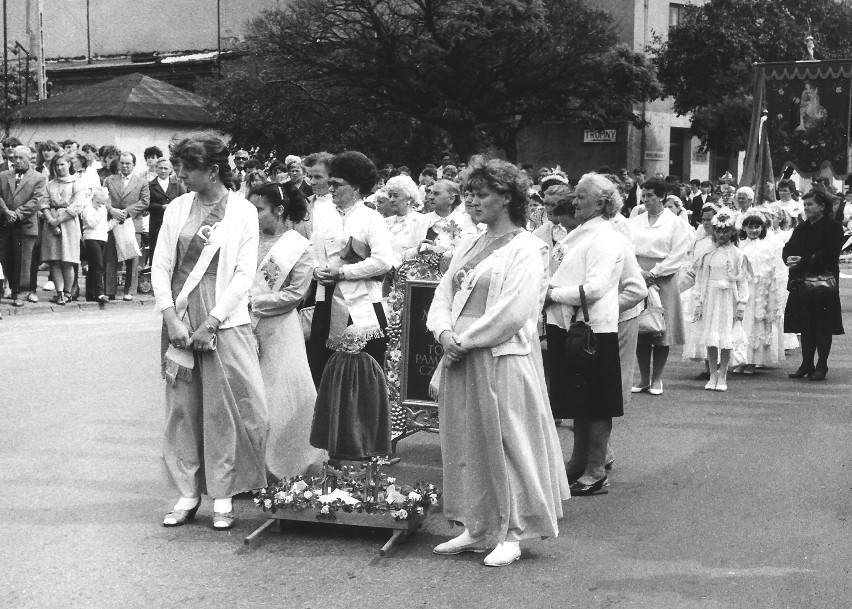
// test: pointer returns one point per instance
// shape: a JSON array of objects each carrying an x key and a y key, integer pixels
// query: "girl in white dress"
[
  {"x": 285, "y": 267},
  {"x": 760, "y": 346},
  {"x": 719, "y": 298}
]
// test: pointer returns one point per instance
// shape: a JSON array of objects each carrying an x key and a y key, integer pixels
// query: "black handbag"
[
  {"x": 817, "y": 285},
  {"x": 580, "y": 340}
]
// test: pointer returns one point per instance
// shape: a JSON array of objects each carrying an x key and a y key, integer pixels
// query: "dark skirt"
[
  {"x": 584, "y": 389},
  {"x": 352, "y": 417},
  {"x": 319, "y": 354},
  {"x": 814, "y": 316}
]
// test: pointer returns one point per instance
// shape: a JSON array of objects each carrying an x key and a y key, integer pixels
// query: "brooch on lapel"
[{"x": 206, "y": 232}]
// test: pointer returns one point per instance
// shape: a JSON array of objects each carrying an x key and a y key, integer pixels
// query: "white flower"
[
  {"x": 402, "y": 514},
  {"x": 391, "y": 480},
  {"x": 267, "y": 503},
  {"x": 420, "y": 511},
  {"x": 413, "y": 495},
  {"x": 324, "y": 510},
  {"x": 308, "y": 494}
]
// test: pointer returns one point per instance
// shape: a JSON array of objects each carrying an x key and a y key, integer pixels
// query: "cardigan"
[
  {"x": 238, "y": 233},
  {"x": 593, "y": 258},
  {"x": 512, "y": 307}
]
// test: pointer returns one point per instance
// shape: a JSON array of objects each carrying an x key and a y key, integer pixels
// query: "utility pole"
[
  {"x": 218, "y": 38},
  {"x": 88, "y": 35},
  {"x": 5, "y": 57}
]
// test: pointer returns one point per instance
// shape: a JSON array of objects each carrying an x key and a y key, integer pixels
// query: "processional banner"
[{"x": 807, "y": 105}]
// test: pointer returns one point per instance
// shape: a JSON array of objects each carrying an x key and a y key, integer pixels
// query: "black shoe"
[
  {"x": 816, "y": 375},
  {"x": 601, "y": 487},
  {"x": 801, "y": 373},
  {"x": 572, "y": 478}
]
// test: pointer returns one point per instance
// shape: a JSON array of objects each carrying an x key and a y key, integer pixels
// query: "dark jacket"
[
  {"x": 159, "y": 199},
  {"x": 819, "y": 245}
]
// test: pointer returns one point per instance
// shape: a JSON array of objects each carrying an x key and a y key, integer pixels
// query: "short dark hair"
[
  {"x": 696, "y": 183},
  {"x": 153, "y": 151},
  {"x": 356, "y": 168},
  {"x": 47, "y": 145},
  {"x": 706, "y": 184},
  {"x": 130, "y": 154},
  {"x": 276, "y": 167},
  {"x": 201, "y": 150},
  {"x": 108, "y": 151},
  {"x": 11, "y": 142},
  {"x": 503, "y": 177},
  {"x": 658, "y": 187},
  {"x": 788, "y": 184},
  {"x": 753, "y": 220},
  {"x": 823, "y": 199},
  {"x": 288, "y": 195},
  {"x": 318, "y": 158},
  {"x": 253, "y": 163},
  {"x": 430, "y": 171},
  {"x": 93, "y": 149}
]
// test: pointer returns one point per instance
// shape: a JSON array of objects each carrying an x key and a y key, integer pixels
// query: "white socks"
[
  {"x": 187, "y": 503},
  {"x": 222, "y": 506}
]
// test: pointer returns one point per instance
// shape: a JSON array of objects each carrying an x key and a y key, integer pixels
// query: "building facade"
[{"x": 665, "y": 146}]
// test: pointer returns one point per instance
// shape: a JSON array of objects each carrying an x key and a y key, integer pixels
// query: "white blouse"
[{"x": 668, "y": 239}]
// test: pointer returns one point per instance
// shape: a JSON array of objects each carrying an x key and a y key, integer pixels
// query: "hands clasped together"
[{"x": 453, "y": 351}]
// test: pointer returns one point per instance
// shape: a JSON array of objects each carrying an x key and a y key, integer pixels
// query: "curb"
[{"x": 42, "y": 308}]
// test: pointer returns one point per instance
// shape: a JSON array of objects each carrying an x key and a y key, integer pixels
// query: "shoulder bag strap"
[{"x": 583, "y": 302}]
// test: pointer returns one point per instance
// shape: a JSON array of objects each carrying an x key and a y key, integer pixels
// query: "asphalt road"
[{"x": 718, "y": 501}]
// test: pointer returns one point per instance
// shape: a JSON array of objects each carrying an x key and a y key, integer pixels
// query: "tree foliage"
[
  {"x": 706, "y": 63},
  {"x": 477, "y": 70}
]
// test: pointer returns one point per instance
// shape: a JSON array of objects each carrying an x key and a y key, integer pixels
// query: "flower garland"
[
  {"x": 403, "y": 502},
  {"x": 424, "y": 266}
]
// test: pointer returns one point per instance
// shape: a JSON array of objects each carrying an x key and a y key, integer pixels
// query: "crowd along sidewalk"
[{"x": 44, "y": 305}]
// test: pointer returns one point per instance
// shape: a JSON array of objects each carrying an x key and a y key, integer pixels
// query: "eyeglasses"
[{"x": 241, "y": 158}]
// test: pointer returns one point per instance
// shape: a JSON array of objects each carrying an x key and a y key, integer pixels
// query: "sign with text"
[
  {"x": 421, "y": 353},
  {"x": 602, "y": 136}
]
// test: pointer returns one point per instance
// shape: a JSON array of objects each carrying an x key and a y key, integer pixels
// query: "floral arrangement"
[{"x": 384, "y": 496}]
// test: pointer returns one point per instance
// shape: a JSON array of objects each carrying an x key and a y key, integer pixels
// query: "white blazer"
[
  {"x": 593, "y": 258},
  {"x": 238, "y": 234}
]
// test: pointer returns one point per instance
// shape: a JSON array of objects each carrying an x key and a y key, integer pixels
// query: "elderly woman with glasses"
[{"x": 353, "y": 251}]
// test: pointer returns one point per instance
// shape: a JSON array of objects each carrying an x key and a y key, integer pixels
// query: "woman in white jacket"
[
  {"x": 588, "y": 391},
  {"x": 203, "y": 269},
  {"x": 503, "y": 474}
]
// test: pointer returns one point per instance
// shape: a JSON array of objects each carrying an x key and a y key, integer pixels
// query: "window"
[{"x": 676, "y": 13}]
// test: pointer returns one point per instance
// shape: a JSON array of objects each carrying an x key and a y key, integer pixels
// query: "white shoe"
[
  {"x": 463, "y": 543},
  {"x": 711, "y": 384},
  {"x": 48, "y": 287},
  {"x": 504, "y": 554}
]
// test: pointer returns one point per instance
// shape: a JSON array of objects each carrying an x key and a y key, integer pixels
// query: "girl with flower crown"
[
  {"x": 719, "y": 298},
  {"x": 760, "y": 346}
]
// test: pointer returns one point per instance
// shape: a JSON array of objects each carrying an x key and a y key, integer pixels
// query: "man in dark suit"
[
  {"x": 699, "y": 201},
  {"x": 129, "y": 196},
  {"x": 164, "y": 188},
  {"x": 635, "y": 194},
  {"x": 23, "y": 194}
]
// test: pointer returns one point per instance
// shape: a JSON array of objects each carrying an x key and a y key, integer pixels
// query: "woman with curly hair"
[
  {"x": 353, "y": 252},
  {"x": 504, "y": 479},
  {"x": 203, "y": 269}
]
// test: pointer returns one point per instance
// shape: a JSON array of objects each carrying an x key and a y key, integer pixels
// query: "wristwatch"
[
  {"x": 210, "y": 329},
  {"x": 340, "y": 273}
]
